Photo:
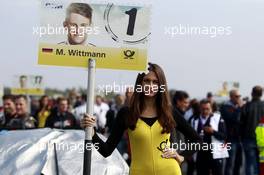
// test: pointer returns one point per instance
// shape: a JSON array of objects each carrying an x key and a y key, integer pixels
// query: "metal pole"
[
  {"x": 29, "y": 103},
  {"x": 89, "y": 110},
  {"x": 56, "y": 160}
]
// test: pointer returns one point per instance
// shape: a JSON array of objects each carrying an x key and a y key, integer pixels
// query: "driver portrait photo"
[{"x": 78, "y": 20}]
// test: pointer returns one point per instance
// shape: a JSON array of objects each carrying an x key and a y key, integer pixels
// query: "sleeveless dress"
[{"x": 146, "y": 144}]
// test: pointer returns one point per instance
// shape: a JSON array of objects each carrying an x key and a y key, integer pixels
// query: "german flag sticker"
[{"x": 47, "y": 50}]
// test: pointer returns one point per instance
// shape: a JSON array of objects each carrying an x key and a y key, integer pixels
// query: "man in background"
[
  {"x": 210, "y": 126},
  {"x": 260, "y": 143},
  {"x": 210, "y": 97},
  {"x": 100, "y": 110},
  {"x": 79, "y": 111},
  {"x": 230, "y": 111},
  {"x": 111, "y": 113},
  {"x": 181, "y": 102},
  {"x": 61, "y": 118},
  {"x": 250, "y": 117},
  {"x": 9, "y": 110},
  {"x": 22, "y": 119}
]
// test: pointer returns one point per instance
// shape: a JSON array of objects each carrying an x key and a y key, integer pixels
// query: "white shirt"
[
  {"x": 188, "y": 114},
  {"x": 79, "y": 112},
  {"x": 203, "y": 120},
  {"x": 100, "y": 113}
]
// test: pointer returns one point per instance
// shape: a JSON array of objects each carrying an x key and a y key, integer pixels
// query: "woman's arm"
[
  {"x": 106, "y": 148},
  {"x": 189, "y": 133}
]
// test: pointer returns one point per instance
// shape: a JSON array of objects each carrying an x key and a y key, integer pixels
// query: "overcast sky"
[{"x": 196, "y": 63}]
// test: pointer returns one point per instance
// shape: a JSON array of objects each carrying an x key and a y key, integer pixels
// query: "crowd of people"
[{"x": 235, "y": 121}]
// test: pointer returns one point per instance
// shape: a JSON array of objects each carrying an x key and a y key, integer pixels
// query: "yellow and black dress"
[{"x": 147, "y": 144}]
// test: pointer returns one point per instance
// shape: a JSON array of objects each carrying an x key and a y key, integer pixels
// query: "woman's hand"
[
  {"x": 88, "y": 121},
  {"x": 172, "y": 153}
]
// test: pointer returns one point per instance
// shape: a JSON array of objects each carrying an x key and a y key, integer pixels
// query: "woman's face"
[
  {"x": 45, "y": 101},
  {"x": 150, "y": 84}
]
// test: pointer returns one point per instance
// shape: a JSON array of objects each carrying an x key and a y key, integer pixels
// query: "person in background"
[
  {"x": 72, "y": 97},
  {"x": 210, "y": 97},
  {"x": 250, "y": 117},
  {"x": 111, "y": 113},
  {"x": 80, "y": 110},
  {"x": 260, "y": 143},
  {"x": 245, "y": 100},
  {"x": 194, "y": 112},
  {"x": 9, "y": 110},
  {"x": 181, "y": 102},
  {"x": 100, "y": 110},
  {"x": 34, "y": 106},
  {"x": 22, "y": 119},
  {"x": 209, "y": 126},
  {"x": 191, "y": 111},
  {"x": 180, "y": 105},
  {"x": 44, "y": 111},
  {"x": 122, "y": 146},
  {"x": 79, "y": 101},
  {"x": 61, "y": 118},
  {"x": 230, "y": 111}
]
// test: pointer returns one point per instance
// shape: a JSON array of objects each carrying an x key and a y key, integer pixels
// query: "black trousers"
[
  {"x": 206, "y": 165},
  {"x": 190, "y": 166}
]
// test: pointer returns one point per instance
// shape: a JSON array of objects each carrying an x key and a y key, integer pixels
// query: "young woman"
[
  {"x": 149, "y": 121},
  {"x": 44, "y": 111}
]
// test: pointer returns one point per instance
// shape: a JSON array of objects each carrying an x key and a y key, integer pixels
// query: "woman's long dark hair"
[{"x": 163, "y": 103}]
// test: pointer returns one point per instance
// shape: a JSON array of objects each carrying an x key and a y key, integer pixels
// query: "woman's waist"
[
  {"x": 156, "y": 161},
  {"x": 161, "y": 167}
]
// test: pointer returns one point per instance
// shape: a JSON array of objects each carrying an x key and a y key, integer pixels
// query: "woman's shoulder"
[{"x": 122, "y": 116}]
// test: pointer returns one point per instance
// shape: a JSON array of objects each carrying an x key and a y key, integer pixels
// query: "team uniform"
[{"x": 147, "y": 144}]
